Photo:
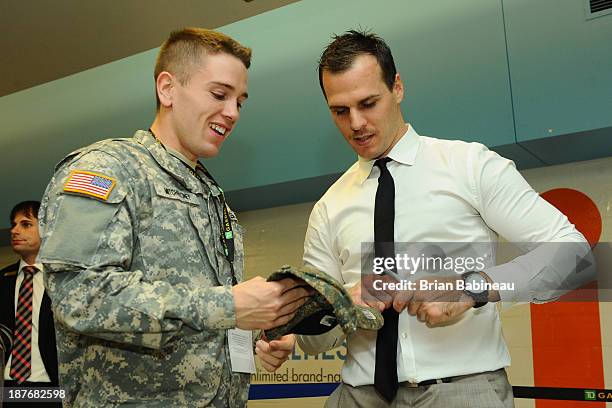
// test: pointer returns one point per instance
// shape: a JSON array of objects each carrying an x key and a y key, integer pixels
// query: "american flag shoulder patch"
[{"x": 89, "y": 183}]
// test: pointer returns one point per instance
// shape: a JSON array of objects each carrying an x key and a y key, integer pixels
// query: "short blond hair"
[{"x": 184, "y": 48}]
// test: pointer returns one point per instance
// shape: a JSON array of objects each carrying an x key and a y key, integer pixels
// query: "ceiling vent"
[{"x": 597, "y": 8}]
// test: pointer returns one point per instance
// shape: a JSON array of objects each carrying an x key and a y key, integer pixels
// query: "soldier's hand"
[
  {"x": 273, "y": 354},
  {"x": 260, "y": 304}
]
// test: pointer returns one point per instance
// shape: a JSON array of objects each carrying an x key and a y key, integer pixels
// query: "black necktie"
[{"x": 385, "y": 372}]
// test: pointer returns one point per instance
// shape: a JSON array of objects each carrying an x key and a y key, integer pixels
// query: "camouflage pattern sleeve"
[{"x": 94, "y": 269}]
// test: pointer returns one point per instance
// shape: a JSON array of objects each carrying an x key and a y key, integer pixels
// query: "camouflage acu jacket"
[{"x": 139, "y": 281}]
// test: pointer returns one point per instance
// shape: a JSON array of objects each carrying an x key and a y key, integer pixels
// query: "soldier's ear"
[{"x": 165, "y": 85}]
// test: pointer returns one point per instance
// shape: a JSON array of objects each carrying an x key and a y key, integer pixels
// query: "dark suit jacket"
[{"x": 46, "y": 329}]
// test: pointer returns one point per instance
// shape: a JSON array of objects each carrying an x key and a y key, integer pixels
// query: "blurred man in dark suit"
[{"x": 25, "y": 309}]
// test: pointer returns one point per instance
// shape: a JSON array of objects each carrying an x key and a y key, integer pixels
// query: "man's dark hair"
[
  {"x": 27, "y": 208},
  {"x": 340, "y": 54}
]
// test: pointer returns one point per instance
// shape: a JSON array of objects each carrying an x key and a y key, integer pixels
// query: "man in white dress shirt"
[
  {"x": 450, "y": 352},
  {"x": 25, "y": 308}
]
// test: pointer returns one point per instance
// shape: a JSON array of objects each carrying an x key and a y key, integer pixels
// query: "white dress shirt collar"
[
  {"x": 404, "y": 152},
  {"x": 23, "y": 264}
]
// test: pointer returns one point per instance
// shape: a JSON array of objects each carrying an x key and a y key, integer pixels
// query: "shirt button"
[{"x": 405, "y": 335}]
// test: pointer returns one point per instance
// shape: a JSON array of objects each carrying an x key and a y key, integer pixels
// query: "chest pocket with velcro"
[{"x": 170, "y": 244}]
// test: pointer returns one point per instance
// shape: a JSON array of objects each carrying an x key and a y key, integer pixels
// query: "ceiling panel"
[{"x": 43, "y": 40}]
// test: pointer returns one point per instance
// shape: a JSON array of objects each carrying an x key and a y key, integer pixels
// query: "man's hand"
[
  {"x": 434, "y": 306},
  {"x": 363, "y": 292},
  {"x": 440, "y": 313},
  {"x": 274, "y": 353},
  {"x": 260, "y": 304}
]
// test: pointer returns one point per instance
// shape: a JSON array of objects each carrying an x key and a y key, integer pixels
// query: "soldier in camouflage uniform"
[{"x": 143, "y": 256}]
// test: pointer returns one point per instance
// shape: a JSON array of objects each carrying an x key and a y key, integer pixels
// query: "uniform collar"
[
  {"x": 404, "y": 152},
  {"x": 167, "y": 161},
  {"x": 181, "y": 157}
]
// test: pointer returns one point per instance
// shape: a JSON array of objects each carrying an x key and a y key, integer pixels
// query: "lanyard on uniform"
[{"x": 227, "y": 233}]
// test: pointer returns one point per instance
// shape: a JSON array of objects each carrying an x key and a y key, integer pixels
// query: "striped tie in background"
[{"x": 22, "y": 336}]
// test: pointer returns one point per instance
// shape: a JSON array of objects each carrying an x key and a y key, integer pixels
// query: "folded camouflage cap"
[{"x": 329, "y": 306}]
